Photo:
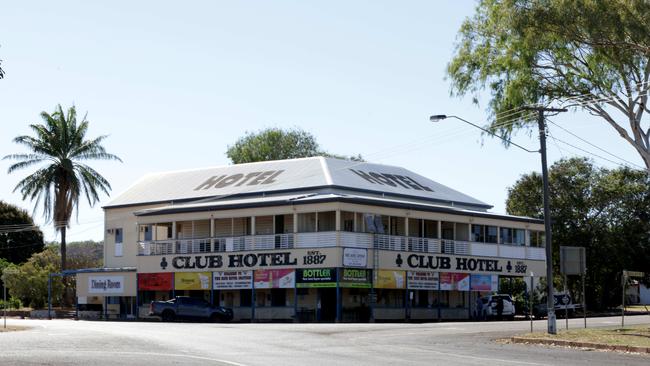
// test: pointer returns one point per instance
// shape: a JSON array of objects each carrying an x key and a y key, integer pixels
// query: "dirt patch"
[
  {"x": 629, "y": 339},
  {"x": 12, "y": 328}
]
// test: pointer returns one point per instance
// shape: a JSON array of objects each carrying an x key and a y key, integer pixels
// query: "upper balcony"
[{"x": 325, "y": 239}]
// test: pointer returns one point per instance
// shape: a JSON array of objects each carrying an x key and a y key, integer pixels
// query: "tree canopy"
[
  {"x": 277, "y": 144},
  {"x": 61, "y": 148},
  {"x": 19, "y": 236},
  {"x": 584, "y": 54},
  {"x": 606, "y": 211}
]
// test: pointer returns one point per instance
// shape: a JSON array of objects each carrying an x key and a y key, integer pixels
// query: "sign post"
[
  {"x": 573, "y": 261},
  {"x": 624, "y": 277},
  {"x": 530, "y": 300}
]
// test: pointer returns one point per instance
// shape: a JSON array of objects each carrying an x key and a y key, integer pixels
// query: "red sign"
[{"x": 155, "y": 281}]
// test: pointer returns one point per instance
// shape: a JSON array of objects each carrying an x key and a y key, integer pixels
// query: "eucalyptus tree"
[
  {"x": 60, "y": 150},
  {"x": 591, "y": 55}
]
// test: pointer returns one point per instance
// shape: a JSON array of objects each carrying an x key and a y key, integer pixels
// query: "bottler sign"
[{"x": 194, "y": 262}]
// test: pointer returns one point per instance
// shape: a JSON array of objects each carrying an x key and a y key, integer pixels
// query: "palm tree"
[{"x": 61, "y": 146}]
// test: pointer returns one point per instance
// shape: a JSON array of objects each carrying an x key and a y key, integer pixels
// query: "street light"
[{"x": 552, "y": 328}]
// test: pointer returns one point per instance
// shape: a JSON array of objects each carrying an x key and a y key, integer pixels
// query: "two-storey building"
[{"x": 314, "y": 239}]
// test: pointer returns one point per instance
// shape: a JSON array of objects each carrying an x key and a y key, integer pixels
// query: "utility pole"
[
  {"x": 550, "y": 304},
  {"x": 552, "y": 329}
]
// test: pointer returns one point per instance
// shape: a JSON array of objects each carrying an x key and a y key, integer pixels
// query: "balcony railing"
[{"x": 338, "y": 238}]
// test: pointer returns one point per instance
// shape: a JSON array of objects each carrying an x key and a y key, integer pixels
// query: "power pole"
[{"x": 550, "y": 305}]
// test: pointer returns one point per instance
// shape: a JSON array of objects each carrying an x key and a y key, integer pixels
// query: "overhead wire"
[{"x": 594, "y": 145}]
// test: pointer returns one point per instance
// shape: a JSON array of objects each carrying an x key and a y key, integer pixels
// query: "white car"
[{"x": 489, "y": 307}]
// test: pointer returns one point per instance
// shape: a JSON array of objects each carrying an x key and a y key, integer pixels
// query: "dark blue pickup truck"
[{"x": 183, "y": 307}]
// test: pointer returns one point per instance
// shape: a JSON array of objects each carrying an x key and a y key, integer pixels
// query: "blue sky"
[{"x": 174, "y": 83}]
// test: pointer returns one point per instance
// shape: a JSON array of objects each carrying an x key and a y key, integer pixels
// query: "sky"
[{"x": 174, "y": 83}]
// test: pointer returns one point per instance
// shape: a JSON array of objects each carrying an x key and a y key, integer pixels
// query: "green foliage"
[
  {"x": 61, "y": 148},
  {"x": 530, "y": 52},
  {"x": 606, "y": 211},
  {"x": 16, "y": 246},
  {"x": 12, "y": 303},
  {"x": 277, "y": 144},
  {"x": 28, "y": 282}
]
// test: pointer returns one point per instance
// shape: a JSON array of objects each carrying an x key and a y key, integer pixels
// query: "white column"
[
  {"x": 212, "y": 234},
  {"x": 337, "y": 227},
  {"x": 252, "y": 232}
]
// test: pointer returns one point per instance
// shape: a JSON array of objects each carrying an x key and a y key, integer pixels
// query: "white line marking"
[
  {"x": 160, "y": 354},
  {"x": 472, "y": 357}
]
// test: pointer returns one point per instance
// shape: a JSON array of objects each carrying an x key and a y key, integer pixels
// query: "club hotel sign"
[{"x": 321, "y": 236}]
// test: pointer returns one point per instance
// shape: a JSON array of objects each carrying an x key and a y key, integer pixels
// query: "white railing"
[
  {"x": 356, "y": 240},
  {"x": 536, "y": 253},
  {"x": 316, "y": 240},
  {"x": 390, "y": 242},
  {"x": 425, "y": 245},
  {"x": 345, "y": 239},
  {"x": 484, "y": 249},
  {"x": 511, "y": 251}
]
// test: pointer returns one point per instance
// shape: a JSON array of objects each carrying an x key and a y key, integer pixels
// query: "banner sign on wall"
[
  {"x": 461, "y": 264},
  {"x": 355, "y": 278},
  {"x": 241, "y": 261},
  {"x": 155, "y": 281},
  {"x": 355, "y": 257},
  {"x": 192, "y": 280},
  {"x": 275, "y": 278},
  {"x": 454, "y": 281},
  {"x": 419, "y": 280},
  {"x": 390, "y": 279},
  {"x": 484, "y": 282},
  {"x": 106, "y": 285},
  {"x": 316, "y": 277},
  {"x": 232, "y": 280}
]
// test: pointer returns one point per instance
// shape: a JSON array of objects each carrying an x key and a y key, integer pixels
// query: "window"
[
  {"x": 327, "y": 221},
  {"x": 245, "y": 298},
  {"x": 491, "y": 234},
  {"x": 537, "y": 239},
  {"x": 519, "y": 237},
  {"x": 119, "y": 250},
  {"x": 307, "y": 222},
  {"x": 347, "y": 221},
  {"x": 478, "y": 233},
  {"x": 513, "y": 236},
  {"x": 506, "y": 235},
  {"x": 278, "y": 297}
]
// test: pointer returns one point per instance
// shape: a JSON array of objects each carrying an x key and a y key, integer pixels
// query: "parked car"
[
  {"x": 562, "y": 301},
  {"x": 489, "y": 307},
  {"x": 183, "y": 307}
]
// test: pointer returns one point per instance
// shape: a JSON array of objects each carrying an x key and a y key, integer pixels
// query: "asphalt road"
[{"x": 68, "y": 342}]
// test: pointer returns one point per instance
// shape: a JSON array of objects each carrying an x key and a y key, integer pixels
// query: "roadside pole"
[
  {"x": 584, "y": 300},
  {"x": 530, "y": 301},
  {"x": 566, "y": 307},
  {"x": 4, "y": 306},
  {"x": 624, "y": 280}
]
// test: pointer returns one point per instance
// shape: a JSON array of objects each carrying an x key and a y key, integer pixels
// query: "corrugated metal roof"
[
  {"x": 296, "y": 175},
  {"x": 297, "y": 199}
]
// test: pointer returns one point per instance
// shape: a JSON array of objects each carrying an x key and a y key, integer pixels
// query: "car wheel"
[
  {"x": 168, "y": 316},
  {"x": 216, "y": 318}
]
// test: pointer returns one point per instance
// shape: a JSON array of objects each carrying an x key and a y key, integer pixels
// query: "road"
[{"x": 68, "y": 342}]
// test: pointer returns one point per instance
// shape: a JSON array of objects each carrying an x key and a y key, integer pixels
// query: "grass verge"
[{"x": 632, "y": 336}]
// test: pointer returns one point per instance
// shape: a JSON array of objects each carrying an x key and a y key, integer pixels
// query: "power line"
[{"x": 593, "y": 145}]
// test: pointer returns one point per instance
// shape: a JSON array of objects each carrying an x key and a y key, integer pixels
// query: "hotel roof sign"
[{"x": 293, "y": 175}]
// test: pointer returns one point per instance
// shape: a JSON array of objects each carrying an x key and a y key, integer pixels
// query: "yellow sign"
[
  {"x": 390, "y": 279},
  {"x": 192, "y": 280}
]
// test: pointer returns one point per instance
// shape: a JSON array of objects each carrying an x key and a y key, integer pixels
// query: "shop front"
[{"x": 106, "y": 294}]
